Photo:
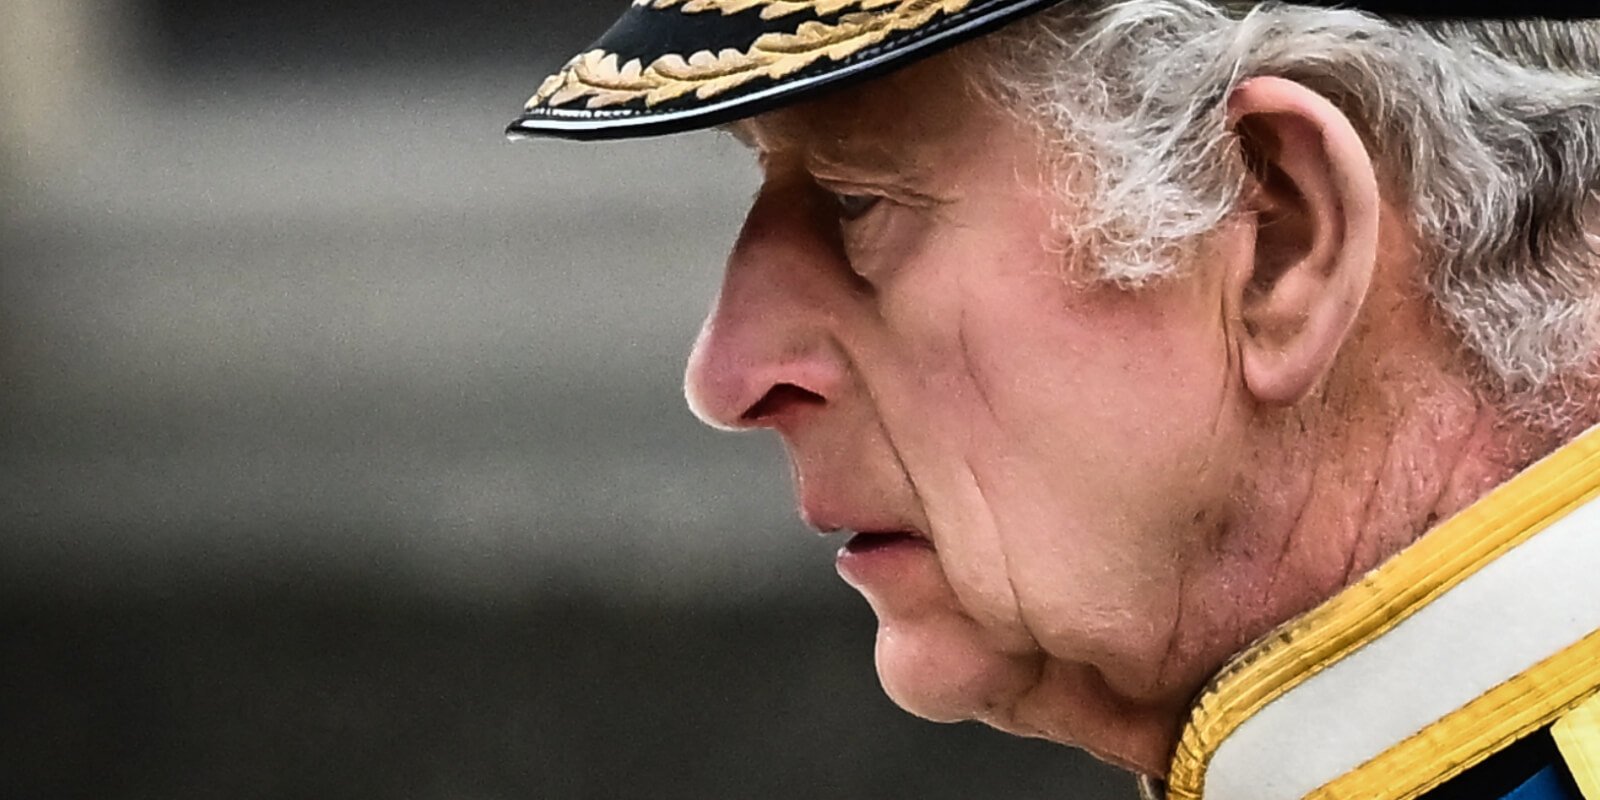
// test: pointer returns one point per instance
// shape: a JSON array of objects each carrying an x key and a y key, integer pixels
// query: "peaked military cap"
[{"x": 676, "y": 65}]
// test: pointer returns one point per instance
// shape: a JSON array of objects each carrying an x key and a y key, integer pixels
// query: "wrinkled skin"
[{"x": 1113, "y": 487}]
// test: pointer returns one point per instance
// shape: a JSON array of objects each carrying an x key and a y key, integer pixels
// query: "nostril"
[{"x": 778, "y": 400}]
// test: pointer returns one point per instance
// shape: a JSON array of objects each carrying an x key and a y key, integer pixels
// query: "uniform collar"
[{"x": 1482, "y": 631}]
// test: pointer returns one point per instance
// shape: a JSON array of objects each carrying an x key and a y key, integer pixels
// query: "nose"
[{"x": 768, "y": 352}]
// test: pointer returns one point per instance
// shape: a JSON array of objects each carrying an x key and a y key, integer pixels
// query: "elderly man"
[{"x": 1204, "y": 386}]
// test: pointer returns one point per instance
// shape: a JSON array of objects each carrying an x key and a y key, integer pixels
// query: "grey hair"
[{"x": 1491, "y": 131}]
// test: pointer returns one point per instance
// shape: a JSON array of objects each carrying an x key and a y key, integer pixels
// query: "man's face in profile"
[{"x": 1028, "y": 458}]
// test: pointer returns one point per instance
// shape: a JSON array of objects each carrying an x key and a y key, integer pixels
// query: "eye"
[{"x": 854, "y": 206}]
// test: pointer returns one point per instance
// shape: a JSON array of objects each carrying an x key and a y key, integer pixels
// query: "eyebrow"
[
  {"x": 872, "y": 156},
  {"x": 839, "y": 152}
]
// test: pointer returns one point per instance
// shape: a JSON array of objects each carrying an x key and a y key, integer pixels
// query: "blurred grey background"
[{"x": 342, "y": 450}]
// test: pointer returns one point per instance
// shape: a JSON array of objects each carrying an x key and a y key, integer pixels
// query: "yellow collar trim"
[
  {"x": 1472, "y": 733},
  {"x": 1577, "y": 735},
  {"x": 1436, "y": 563}
]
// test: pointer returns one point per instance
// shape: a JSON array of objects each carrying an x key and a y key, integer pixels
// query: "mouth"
[
  {"x": 878, "y": 561},
  {"x": 865, "y": 542}
]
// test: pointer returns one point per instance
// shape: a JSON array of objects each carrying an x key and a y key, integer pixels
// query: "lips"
[
  {"x": 869, "y": 531},
  {"x": 871, "y": 541},
  {"x": 885, "y": 562}
]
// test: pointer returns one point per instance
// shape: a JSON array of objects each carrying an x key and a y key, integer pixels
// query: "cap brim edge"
[{"x": 593, "y": 125}]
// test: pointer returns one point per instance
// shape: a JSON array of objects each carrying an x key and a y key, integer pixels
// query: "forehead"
[{"x": 899, "y": 120}]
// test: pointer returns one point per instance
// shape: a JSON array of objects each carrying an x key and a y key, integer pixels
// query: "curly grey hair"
[{"x": 1491, "y": 130}]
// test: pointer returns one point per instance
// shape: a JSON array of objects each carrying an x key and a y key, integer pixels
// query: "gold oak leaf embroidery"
[{"x": 602, "y": 79}]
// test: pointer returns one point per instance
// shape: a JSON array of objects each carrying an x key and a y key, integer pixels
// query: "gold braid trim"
[
  {"x": 770, "y": 9},
  {"x": 605, "y": 81}
]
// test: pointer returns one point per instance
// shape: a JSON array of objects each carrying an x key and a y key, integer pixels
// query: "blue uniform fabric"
[
  {"x": 1529, "y": 769},
  {"x": 1549, "y": 783}
]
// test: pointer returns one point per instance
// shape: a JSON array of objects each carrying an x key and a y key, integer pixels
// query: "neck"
[
  {"x": 1398, "y": 440},
  {"x": 1353, "y": 479},
  {"x": 1335, "y": 486}
]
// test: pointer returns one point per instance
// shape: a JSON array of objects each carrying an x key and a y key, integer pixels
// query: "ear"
[{"x": 1314, "y": 193}]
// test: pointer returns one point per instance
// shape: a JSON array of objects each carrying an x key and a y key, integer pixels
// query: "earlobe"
[{"x": 1314, "y": 194}]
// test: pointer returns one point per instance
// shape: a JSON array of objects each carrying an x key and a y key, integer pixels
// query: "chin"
[{"x": 942, "y": 670}]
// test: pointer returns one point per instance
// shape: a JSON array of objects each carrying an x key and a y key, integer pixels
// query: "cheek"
[
  {"x": 1100, "y": 454},
  {"x": 1068, "y": 446},
  {"x": 1104, "y": 388}
]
